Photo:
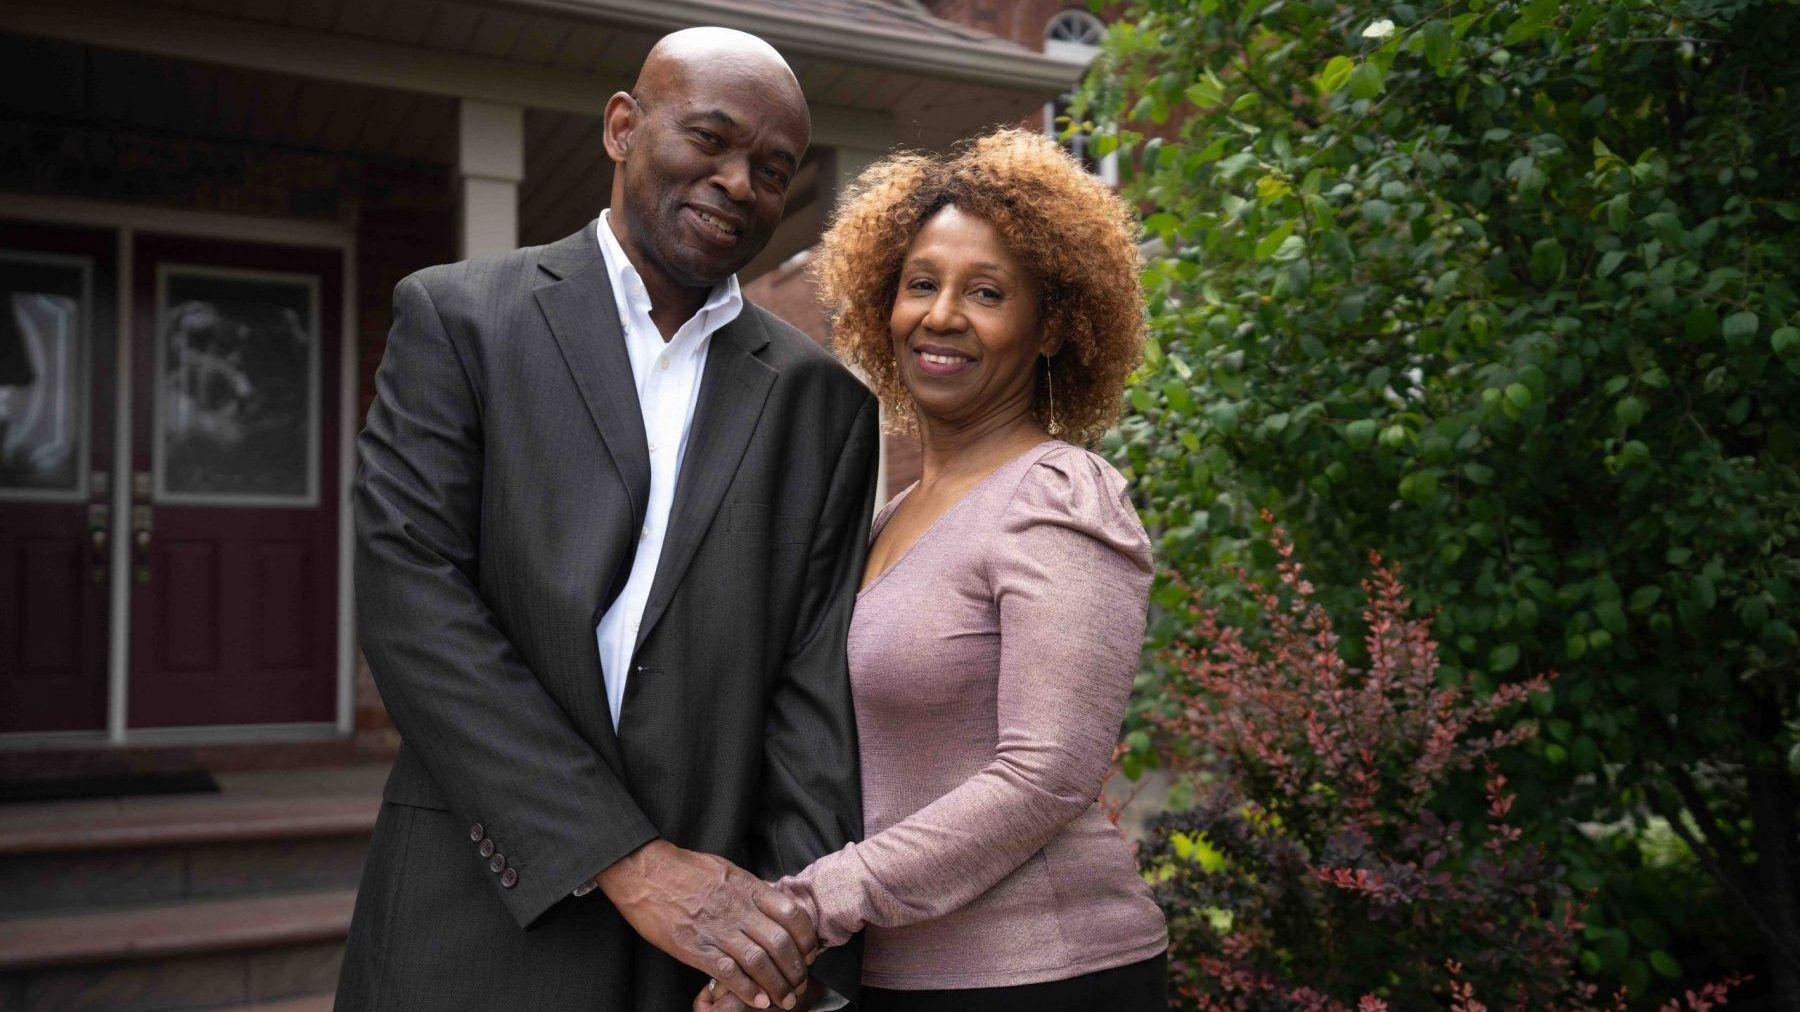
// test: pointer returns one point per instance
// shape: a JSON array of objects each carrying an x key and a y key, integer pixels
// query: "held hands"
[
  {"x": 718, "y": 919},
  {"x": 717, "y": 999}
]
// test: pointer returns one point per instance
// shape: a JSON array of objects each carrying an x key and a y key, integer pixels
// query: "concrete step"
[
  {"x": 308, "y": 1003},
  {"x": 279, "y": 834},
  {"x": 185, "y": 955}
]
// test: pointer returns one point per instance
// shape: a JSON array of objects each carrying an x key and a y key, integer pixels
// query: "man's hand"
[{"x": 717, "y": 918}]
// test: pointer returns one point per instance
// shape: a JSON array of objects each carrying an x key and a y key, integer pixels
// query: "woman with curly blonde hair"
[{"x": 991, "y": 299}]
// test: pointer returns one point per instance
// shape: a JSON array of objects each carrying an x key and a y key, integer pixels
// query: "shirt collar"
[{"x": 722, "y": 305}]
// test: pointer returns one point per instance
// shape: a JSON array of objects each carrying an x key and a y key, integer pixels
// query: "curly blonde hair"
[{"x": 1064, "y": 225}]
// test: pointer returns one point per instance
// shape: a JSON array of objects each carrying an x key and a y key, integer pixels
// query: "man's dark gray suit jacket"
[{"x": 504, "y": 478}]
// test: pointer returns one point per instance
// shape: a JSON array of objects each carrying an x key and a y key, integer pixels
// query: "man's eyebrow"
[{"x": 725, "y": 120}]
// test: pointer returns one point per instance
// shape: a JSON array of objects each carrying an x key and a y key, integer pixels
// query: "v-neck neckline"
[{"x": 894, "y": 507}]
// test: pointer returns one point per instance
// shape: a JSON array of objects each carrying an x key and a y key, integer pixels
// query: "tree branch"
[{"x": 1733, "y": 887}]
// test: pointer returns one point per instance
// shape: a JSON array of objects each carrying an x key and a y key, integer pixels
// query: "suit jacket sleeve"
[
  {"x": 501, "y": 749},
  {"x": 812, "y": 800}
]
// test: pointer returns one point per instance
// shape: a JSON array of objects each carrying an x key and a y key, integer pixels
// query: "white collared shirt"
[{"x": 667, "y": 377}]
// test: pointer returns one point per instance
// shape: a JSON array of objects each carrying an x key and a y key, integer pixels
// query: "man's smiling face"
[{"x": 710, "y": 150}]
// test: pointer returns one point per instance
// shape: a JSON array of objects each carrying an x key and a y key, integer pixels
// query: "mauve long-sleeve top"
[{"x": 990, "y": 666}]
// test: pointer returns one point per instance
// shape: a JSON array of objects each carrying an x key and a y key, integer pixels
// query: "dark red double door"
[{"x": 219, "y": 533}]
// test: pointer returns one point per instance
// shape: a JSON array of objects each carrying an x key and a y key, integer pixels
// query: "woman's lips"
[{"x": 941, "y": 363}]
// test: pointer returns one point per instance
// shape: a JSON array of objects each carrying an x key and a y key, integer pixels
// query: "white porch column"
[{"x": 490, "y": 163}]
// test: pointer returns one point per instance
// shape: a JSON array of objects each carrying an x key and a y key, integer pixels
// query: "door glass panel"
[
  {"x": 43, "y": 375},
  {"x": 237, "y": 388}
]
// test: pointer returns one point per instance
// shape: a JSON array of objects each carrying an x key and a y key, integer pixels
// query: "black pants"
[{"x": 1139, "y": 987}]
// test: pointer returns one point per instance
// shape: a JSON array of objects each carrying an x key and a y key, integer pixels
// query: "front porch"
[{"x": 175, "y": 159}]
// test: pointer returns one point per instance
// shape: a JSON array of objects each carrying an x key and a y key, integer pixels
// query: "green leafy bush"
[{"x": 1506, "y": 291}]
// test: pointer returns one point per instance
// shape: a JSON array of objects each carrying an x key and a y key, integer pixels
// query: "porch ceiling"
[{"x": 876, "y": 73}]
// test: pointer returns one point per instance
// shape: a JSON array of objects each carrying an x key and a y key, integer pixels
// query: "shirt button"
[
  {"x": 663, "y": 362},
  {"x": 644, "y": 534},
  {"x": 653, "y": 446}
]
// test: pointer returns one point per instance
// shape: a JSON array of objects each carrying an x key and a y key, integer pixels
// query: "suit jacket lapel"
[
  {"x": 582, "y": 314},
  {"x": 732, "y": 391}
]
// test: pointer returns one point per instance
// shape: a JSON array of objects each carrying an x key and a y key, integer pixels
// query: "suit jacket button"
[
  {"x": 509, "y": 878},
  {"x": 476, "y": 832},
  {"x": 497, "y": 863},
  {"x": 486, "y": 848}
]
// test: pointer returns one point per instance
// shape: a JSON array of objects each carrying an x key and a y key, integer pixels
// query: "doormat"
[{"x": 30, "y": 789}]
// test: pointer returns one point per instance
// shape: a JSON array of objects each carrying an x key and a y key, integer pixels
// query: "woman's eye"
[
  {"x": 990, "y": 294},
  {"x": 919, "y": 285}
]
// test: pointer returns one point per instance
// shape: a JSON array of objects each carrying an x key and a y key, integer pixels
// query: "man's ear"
[{"x": 622, "y": 117}]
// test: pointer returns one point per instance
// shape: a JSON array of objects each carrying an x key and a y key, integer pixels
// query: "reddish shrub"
[{"x": 1316, "y": 869}]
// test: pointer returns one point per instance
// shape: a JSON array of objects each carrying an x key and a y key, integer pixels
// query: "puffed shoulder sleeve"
[
  {"x": 1070, "y": 493},
  {"x": 1069, "y": 569}
]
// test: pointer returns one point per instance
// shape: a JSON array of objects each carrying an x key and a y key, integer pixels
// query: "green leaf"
[
  {"x": 1547, "y": 260},
  {"x": 1535, "y": 17},
  {"x": 1503, "y": 658},
  {"x": 1266, "y": 247},
  {"x": 1518, "y": 395},
  {"x": 1584, "y": 755},
  {"x": 1361, "y": 432},
  {"x": 1785, "y": 341},
  {"x": 1705, "y": 595},
  {"x": 1224, "y": 417},
  {"x": 1755, "y": 613},
  {"x": 1367, "y": 80},
  {"x": 1439, "y": 38},
  {"x": 1610, "y": 262},
  {"x": 1629, "y": 411},
  {"x": 1162, "y": 224},
  {"x": 1575, "y": 646},
  {"x": 1644, "y": 597},
  {"x": 1335, "y": 74},
  {"x": 1618, "y": 212},
  {"x": 1665, "y": 964},
  {"x": 1739, "y": 328},
  {"x": 1178, "y": 396},
  {"x": 1205, "y": 93},
  {"x": 1611, "y": 616}
]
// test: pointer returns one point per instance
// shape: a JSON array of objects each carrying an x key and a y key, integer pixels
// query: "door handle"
[
  {"x": 140, "y": 543},
  {"x": 99, "y": 536}
]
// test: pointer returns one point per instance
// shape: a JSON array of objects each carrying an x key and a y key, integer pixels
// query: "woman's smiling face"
[{"x": 965, "y": 328}]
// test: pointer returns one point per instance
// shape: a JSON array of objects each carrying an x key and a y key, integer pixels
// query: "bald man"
[{"x": 610, "y": 519}]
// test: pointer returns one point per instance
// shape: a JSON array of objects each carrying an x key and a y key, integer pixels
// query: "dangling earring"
[{"x": 1053, "y": 426}]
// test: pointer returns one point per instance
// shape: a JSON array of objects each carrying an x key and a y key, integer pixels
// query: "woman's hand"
[{"x": 713, "y": 998}]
